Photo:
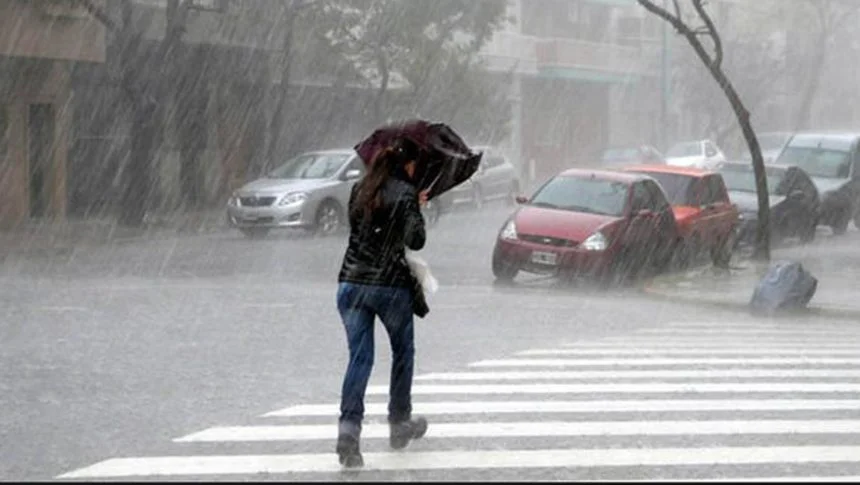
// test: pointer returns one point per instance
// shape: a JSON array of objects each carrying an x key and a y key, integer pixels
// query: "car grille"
[
  {"x": 256, "y": 201},
  {"x": 549, "y": 241}
]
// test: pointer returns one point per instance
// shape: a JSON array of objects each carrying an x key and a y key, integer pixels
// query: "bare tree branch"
[
  {"x": 674, "y": 20},
  {"x": 712, "y": 30}
]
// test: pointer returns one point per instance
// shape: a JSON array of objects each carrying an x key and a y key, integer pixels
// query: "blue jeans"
[{"x": 359, "y": 305}]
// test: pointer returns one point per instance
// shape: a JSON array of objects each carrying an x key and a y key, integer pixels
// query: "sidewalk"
[
  {"x": 61, "y": 236},
  {"x": 836, "y": 265}
]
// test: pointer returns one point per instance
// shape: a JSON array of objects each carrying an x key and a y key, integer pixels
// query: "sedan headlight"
[
  {"x": 509, "y": 232},
  {"x": 234, "y": 200},
  {"x": 596, "y": 242},
  {"x": 293, "y": 198}
]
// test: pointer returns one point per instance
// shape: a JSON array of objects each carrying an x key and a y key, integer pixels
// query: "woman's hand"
[{"x": 422, "y": 198}]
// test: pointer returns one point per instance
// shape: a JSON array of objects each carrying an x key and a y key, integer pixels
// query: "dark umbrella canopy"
[{"x": 446, "y": 160}]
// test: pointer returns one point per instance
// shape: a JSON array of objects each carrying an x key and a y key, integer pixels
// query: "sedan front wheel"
[{"x": 329, "y": 219}]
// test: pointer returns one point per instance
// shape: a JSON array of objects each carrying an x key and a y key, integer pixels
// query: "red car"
[
  {"x": 707, "y": 219},
  {"x": 588, "y": 223}
]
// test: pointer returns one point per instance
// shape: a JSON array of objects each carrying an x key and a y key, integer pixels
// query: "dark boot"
[
  {"x": 405, "y": 431},
  {"x": 348, "y": 452}
]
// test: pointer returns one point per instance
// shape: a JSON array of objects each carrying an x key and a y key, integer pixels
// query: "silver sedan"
[{"x": 310, "y": 191}]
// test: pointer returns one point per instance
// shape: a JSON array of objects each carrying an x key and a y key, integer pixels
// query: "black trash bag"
[{"x": 786, "y": 287}]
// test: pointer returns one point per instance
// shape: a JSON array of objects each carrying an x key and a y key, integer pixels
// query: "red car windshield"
[{"x": 583, "y": 194}]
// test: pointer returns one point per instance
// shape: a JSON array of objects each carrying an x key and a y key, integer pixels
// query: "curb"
[{"x": 830, "y": 312}]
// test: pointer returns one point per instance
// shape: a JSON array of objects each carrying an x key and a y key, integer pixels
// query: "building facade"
[
  {"x": 587, "y": 77},
  {"x": 40, "y": 42}
]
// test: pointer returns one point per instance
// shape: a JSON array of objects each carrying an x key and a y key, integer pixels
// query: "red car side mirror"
[{"x": 522, "y": 199}]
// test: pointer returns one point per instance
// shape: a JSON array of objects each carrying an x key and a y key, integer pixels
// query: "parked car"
[
  {"x": 496, "y": 179},
  {"x": 706, "y": 218},
  {"x": 833, "y": 162},
  {"x": 596, "y": 224},
  {"x": 794, "y": 201},
  {"x": 310, "y": 191},
  {"x": 702, "y": 154},
  {"x": 771, "y": 144},
  {"x": 643, "y": 154}
]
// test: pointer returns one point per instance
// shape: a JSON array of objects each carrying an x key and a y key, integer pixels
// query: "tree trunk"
[
  {"x": 135, "y": 179},
  {"x": 762, "y": 239},
  {"x": 280, "y": 94},
  {"x": 380, "y": 101}
]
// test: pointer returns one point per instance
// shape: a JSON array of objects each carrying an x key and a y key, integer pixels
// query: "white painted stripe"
[
  {"x": 706, "y": 345},
  {"x": 743, "y": 331},
  {"x": 614, "y": 406},
  {"x": 729, "y": 339},
  {"x": 639, "y": 374},
  {"x": 480, "y": 407},
  {"x": 627, "y": 388},
  {"x": 690, "y": 351},
  {"x": 448, "y": 460},
  {"x": 740, "y": 342},
  {"x": 758, "y": 326},
  {"x": 662, "y": 361},
  {"x": 794, "y": 478},
  {"x": 531, "y": 428}
]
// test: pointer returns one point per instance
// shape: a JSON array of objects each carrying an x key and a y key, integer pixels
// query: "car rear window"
[
  {"x": 678, "y": 188},
  {"x": 583, "y": 194},
  {"x": 742, "y": 179}
]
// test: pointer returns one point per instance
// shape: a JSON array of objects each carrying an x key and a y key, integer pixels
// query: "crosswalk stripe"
[
  {"x": 742, "y": 332},
  {"x": 536, "y": 429},
  {"x": 690, "y": 351},
  {"x": 482, "y": 459},
  {"x": 627, "y": 388},
  {"x": 640, "y": 374},
  {"x": 585, "y": 406},
  {"x": 660, "y": 361},
  {"x": 793, "y": 478},
  {"x": 647, "y": 340},
  {"x": 705, "y": 345}
]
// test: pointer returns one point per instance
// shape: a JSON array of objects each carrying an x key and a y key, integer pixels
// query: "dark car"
[
  {"x": 794, "y": 201},
  {"x": 832, "y": 160},
  {"x": 614, "y": 157},
  {"x": 595, "y": 224}
]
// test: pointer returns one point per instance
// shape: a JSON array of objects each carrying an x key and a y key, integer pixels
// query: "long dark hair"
[{"x": 390, "y": 161}]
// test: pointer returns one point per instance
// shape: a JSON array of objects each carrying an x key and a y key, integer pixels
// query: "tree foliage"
[{"x": 421, "y": 57}]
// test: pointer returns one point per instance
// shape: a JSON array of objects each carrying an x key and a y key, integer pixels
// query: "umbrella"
[{"x": 446, "y": 160}]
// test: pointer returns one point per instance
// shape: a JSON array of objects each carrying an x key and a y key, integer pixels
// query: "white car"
[{"x": 702, "y": 154}]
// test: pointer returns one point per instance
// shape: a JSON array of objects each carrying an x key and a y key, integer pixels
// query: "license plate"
[{"x": 541, "y": 257}]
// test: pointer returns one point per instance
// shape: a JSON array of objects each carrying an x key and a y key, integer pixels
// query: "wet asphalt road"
[{"x": 115, "y": 351}]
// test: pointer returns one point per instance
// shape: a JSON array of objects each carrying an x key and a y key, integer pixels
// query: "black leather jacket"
[{"x": 376, "y": 251}]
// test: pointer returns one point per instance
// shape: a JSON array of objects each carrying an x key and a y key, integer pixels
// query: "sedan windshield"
[
  {"x": 583, "y": 194},
  {"x": 310, "y": 166},
  {"x": 678, "y": 188},
  {"x": 772, "y": 141},
  {"x": 689, "y": 149},
  {"x": 742, "y": 179},
  {"x": 818, "y": 162}
]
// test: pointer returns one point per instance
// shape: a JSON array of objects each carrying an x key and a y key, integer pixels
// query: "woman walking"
[{"x": 375, "y": 281}]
